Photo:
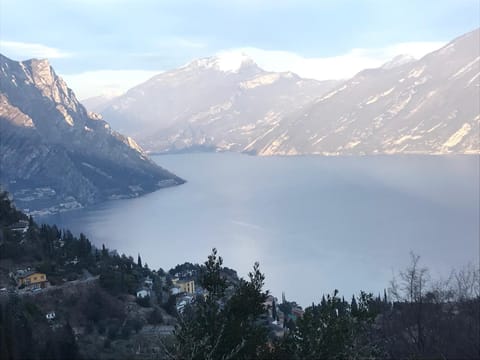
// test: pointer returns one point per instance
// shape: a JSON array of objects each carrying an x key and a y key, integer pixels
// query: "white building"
[{"x": 143, "y": 293}]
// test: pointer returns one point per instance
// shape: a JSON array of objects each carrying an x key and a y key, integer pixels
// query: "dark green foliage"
[
  {"x": 155, "y": 317},
  {"x": 354, "y": 306},
  {"x": 100, "y": 308},
  {"x": 220, "y": 327},
  {"x": 113, "y": 329},
  {"x": 61, "y": 344},
  {"x": 8, "y": 213},
  {"x": 181, "y": 268},
  {"x": 16, "y": 330},
  {"x": 274, "y": 310},
  {"x": 332, "y": 331},
  {"x": 24, "y": 334},
  {"x": 144, "y": 302},
  {"x": 211, "y": 277}
]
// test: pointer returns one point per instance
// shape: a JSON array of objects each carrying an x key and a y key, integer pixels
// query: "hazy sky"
[{"x": 106, "y": 46}]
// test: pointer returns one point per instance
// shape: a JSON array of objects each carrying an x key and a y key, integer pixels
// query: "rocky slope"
[
  {"x": 428, "y": 106},
  {"x": 54, "y": 155},
  {"x": 220, "y": 103}
]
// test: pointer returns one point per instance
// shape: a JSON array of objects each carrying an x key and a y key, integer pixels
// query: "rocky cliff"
[
  {"x": 428, "y": 106},
  {"x": 54, "y": 155}
]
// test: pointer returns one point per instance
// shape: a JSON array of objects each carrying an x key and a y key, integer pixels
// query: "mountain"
[
  {"x": 97, "y": 103},
  {"x": 428, "y": 106},
  {"x": 54, "y": 155},
  {"x": 222, "y": 103}
]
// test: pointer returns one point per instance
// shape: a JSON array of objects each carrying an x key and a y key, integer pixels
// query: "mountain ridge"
[
  {"x": 430, "y": 106},
  {"x": 57, "y": 156},
  {"x": 403, "y": 106},
  {"x": 199, "y": 105}
]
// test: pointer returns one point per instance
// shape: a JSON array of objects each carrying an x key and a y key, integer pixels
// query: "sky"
[{"x": 104, "y": 47}]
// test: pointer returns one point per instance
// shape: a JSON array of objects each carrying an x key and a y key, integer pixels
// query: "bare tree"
[
  {"x": 466, "y": 283},
  {"x": 410, "y": 289},
  {"x": 412, "y": 284}
]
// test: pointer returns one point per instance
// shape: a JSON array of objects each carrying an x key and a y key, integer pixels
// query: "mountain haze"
[
  {"x": 428, "y": 106},
  {"x": 54, "y": 155},
  {"x": 221, "y": 103}
]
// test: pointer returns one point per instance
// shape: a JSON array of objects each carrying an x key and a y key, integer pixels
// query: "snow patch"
[
  {"x": 473, "y": 79},
  {"x": 351, "y": 144},
  {"x": 260, "y": 81},
  {"x": 232, "y": 61},
  {"x": 388, "y": 91},
  {"x": 330, "y": 94},
  {"x": 434, "y": 128},
  {"x": 319, "y": 140},
  {"x": 405, "y": 138},
  {"x": 457, "y": 137},
  {"x": 394, "y": 110},
  {"x": 415, "y": 73},
  {"x": 466, "y": 68},
  {"x": 373, "y": 99},
  {"x": 229, "y": 61},
  {"x": 249, "y": 146},
  {"x": 273, "y": 148}
]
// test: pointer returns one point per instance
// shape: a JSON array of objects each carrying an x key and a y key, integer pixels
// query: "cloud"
[
  {"x": 335, "y": 67},
  {"x": 106, "y": 82},
  {"x": 187, "y": 43},
  {"x": 24, "y": 50},
  {"x": 115, "y": 82}
]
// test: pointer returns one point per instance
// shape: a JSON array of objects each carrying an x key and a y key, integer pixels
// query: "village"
[
  {"x": 184, "y": 289},
  {"x": 109, "y": 300}
]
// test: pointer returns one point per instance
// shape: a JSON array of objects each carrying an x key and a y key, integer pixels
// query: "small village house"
[
  {"x": 32, "y": 280},
  {"x": 186, "y": 286},
  {"x": 143, "y": 293},
  {"x": 51, "y": 315},
  {"x": 148, "y": 282}
]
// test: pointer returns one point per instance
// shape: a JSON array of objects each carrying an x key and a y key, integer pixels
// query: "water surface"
[{"x": 313, "y": 223}]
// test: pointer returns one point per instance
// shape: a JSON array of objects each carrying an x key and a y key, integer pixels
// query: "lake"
[{"x": 313, "y": 223}]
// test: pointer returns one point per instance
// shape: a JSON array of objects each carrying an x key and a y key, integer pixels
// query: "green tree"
[
  {"x": 218, "y": 327},
  {"x": 274, "y": 310},
  {"x": 332, "y": 331}
]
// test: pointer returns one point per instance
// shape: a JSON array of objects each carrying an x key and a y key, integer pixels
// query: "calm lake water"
[{"x": 313, "y": 223}]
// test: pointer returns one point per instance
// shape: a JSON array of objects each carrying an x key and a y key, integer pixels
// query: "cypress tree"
[
  {"x": 354, "y": 306},
  {"x": 274, "y": 310}
]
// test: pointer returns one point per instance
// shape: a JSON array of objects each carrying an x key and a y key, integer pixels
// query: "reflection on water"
[{"x": 314, "y": 223}]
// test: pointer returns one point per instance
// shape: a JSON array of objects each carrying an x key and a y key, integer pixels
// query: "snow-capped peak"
[
  {"x": 228, "y": 61},
  {"x": 398, "y": 60},
  {"x": 233, "y": 61}
]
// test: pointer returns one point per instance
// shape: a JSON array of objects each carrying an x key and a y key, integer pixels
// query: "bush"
[
  {"x": 155, "y": 317},
  {"x": 113, "y": 329},
  {"x": 144, "y": 302}
]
